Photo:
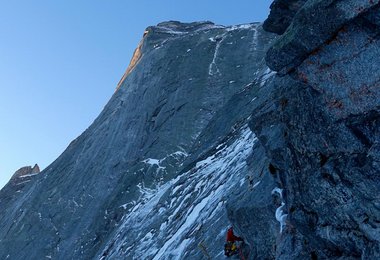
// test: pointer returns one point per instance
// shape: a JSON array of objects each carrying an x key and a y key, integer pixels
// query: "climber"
[{"x": 230, "y": 248}]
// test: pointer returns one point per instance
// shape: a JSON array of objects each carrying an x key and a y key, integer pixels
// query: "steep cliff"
[
  {"x": 150, "y": 178},
  {"x": 321, "y": 129},
  {"x": 200, "y": 134}
]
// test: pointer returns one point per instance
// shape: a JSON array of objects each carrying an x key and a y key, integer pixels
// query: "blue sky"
[{"x": 60, "y": 62}]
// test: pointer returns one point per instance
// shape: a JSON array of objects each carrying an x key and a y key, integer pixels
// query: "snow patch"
[
  {"x": 256, "y": 184},
  {"x": 280, "y": 216},
  {"x": 20, "y": 183},
  {"x": 178, "y": 254},
  {"x": 187, "y": 202},
  {"x": 171, "y": 31},
  {"x": 277, "y": 190},
  {"x": 266, "y": 76},
  {"x": 221, "y": 145},
  {"x": 213, "y": 67},
  {"x": 176, "y": 189},
  {"x": 125, "y": 206},
  {"x": 28, "y": 175},
  {"x": 154, "y": 162},
  {"x": 242, "y": 181},
  {"x": 148, "y": 236},
  {"x": 255, "y": 39},
  {"x": 210, "y": 26},
  {"x": 189, "y": 221},
  {"x": 179, "y": 153},
  {"x": 241, "y": 26},
  {"x": 146, "y": 193}
]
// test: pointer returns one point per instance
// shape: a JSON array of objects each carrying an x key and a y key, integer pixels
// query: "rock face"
[
  {"x": 22, "y": 176},
  {"x": 321, "y": 129},
  {"x": 152, "y": 176},
  {"x": 282, "y": 13},
  {"x": 201, "y": 135},
  {"x": 315, "y": 23}
]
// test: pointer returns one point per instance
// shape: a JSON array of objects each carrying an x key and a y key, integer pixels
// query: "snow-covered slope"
[{"x": 177, "y": 214}]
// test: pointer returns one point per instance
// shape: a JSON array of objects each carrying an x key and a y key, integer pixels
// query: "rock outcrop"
[
  {"x": 24, "y": 175},
  {"x": 316, "y": 23},
  {"x": 282, "y": 13},
  {"x": 321, "y": 130},
  {"x": 16, "y": 185},
  {"x": 26, "y": 171}
]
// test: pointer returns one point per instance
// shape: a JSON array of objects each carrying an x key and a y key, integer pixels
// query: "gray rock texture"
[
  {"x": 321, "y": 131},
  {"x": 16, "y": 184},
  {"x": 201, "y": 134},
  {"x": 152, "y": 176},
  {"x": 281, "y": 15},
  {"x": 27, "y": 170},
  {"x": 314, "y": 24}
]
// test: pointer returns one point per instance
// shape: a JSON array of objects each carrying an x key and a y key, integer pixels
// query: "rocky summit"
[
  {"x": 19, "y": 179},
  {"x": 273, "y": 129}
]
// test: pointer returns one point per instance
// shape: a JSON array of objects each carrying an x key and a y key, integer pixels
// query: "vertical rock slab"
[{"x": 326, "y": 120}]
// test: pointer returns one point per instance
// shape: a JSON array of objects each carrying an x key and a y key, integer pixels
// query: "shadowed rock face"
[
  {"x": 281, "y": 15},
  {"x": 151, "y": 177},
  {"x": 321, "y": 130},
  {"x": 313, "y": 25}
]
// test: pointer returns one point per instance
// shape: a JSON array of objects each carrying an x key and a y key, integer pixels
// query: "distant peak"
[{"x": 27, "y": 171}]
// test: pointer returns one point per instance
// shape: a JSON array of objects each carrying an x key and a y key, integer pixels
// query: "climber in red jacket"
[
  {"x": 230, "y": 247},
  {"x": 231, "y": 237}
]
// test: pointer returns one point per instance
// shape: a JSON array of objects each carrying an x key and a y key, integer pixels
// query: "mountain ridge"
[{"x": 154, "y": 128}]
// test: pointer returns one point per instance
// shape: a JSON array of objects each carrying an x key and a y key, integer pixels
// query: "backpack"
[{"x": 229, "y": 249}]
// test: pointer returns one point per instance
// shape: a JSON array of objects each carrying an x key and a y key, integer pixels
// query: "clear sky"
[{"x": 60, "y": 62}]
